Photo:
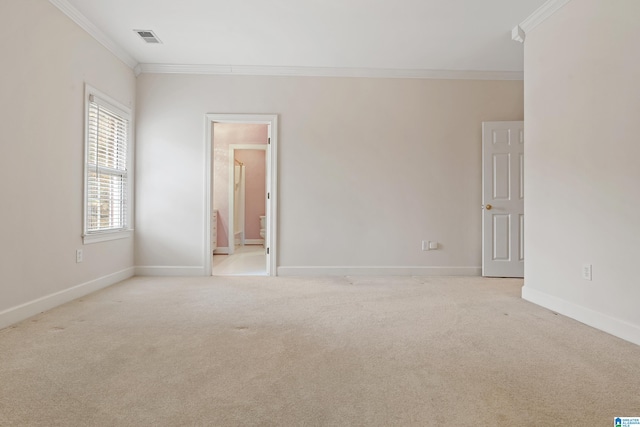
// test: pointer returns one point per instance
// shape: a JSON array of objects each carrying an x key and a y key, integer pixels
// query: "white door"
[{"x": 503, "y": 199}]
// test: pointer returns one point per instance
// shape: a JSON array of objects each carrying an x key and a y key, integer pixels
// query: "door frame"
[{"x": 272, "y": 183}]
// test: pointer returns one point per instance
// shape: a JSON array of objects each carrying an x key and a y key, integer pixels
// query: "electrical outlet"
[
  {"x": 78, "y": 255},
  {"x": 586, "y": 271},
  {"x": 428, "y": 245}
]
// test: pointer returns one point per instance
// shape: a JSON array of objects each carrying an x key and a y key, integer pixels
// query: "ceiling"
[{"x": 465, "y": 35}]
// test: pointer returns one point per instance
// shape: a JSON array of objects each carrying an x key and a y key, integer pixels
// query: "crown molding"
[
  {"x": 519, "y": 32},
  {"x": 249, "y": 70},
  {"x": 184, "y": 69},
  {"x": 77, "y": 17}
]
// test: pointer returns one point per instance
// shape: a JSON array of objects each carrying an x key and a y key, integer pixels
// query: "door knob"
[{"x": 488, "y": 207}]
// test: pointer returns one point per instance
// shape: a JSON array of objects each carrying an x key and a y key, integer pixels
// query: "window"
[{"x": 107, "y": 185}]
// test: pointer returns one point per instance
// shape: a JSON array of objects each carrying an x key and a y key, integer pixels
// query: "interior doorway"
[{"x": 234, "y": 244}]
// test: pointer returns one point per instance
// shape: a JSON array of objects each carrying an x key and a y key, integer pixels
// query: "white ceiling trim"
[
  {"x": 519, "y": 32},
  {"x": 249, "y": 70},
  {"x": 77, "y": 17}
]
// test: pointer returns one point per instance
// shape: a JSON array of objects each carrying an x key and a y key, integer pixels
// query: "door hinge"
[
  {"x": 269, "y": 140},
  {"x": 268, "y": 195},
  {"x": 267, "y": 251}
]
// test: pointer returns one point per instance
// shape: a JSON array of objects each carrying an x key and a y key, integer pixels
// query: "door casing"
[{"x": 272, "y": 183}]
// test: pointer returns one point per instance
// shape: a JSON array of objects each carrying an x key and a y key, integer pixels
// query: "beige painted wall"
[
  {"x": 367, "y": 167},
  {"x": 582, "y": 200},
  {"x": 46, "y": 61}
]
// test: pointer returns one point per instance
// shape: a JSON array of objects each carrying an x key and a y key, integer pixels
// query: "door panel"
[
  {"x": 501, "y": 176},
  {"x": 521, "y": 237},
  {"x": 501, "y": 241},
  {"x": 503, "y": 199},
  {"x": 521, "y": 175}
]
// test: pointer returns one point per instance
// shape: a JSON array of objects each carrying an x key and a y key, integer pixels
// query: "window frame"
[{"x": 125, "y": 113}]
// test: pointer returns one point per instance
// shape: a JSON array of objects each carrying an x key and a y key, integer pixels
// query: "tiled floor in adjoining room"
[{"x": 249, "y": 260}]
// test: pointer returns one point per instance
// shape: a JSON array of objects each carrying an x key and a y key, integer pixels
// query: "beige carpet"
[{"x": 314, "y": 352}]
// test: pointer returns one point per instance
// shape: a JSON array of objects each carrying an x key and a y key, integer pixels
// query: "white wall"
[
  {"x": 582, "y": 100},
  {"x": 367, "y": 168},
  {"x": 46, "y": 61}
]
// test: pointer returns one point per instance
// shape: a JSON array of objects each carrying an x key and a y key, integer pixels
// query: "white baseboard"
[
  {"x": 31, "y": 308},
  {"x": 379, "y": 271},
  {"x": 619, "y": 328},
  {"x": 169, "y": 270},
  {"x": 254, "y": 241}
]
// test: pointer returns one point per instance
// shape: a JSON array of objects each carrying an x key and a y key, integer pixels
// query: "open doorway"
[
  {"x": 242, "y": 227},
  {"x": 240, "y": 194}
]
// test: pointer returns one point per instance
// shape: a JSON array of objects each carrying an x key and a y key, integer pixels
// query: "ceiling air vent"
[{"x": 148, "y": 36}]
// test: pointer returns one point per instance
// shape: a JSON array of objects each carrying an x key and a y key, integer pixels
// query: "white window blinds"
[{"x": 106, "y": 168}]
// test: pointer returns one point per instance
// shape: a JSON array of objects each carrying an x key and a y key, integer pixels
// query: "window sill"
[{"x": 105, "y": 236}]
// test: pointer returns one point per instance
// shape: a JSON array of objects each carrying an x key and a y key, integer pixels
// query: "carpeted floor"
[{"x": 344, "y": 351}]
